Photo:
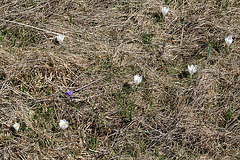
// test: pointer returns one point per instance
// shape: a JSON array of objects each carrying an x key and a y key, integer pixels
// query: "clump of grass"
[
  {"x": 147, "y": 38},
  {"x": 167, "y": 116}
]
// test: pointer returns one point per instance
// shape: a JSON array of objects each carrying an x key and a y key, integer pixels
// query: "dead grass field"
[{"x": 167, "y": 116}]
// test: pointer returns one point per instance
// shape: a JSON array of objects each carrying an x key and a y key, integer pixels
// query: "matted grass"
[{"x": 168, "y": 116}]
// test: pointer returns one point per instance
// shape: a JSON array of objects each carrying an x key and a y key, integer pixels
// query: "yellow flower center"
[
  {"x": 64, "y": 124},
  {"x": 16, "y": 126},
  {"x": 192, "y": 69}
]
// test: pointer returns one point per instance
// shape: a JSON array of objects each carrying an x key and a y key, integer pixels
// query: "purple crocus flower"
[{"x": 69, "y": 93}]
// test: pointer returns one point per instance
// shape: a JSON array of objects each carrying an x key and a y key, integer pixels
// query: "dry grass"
[{"x": 168, "y": 116}]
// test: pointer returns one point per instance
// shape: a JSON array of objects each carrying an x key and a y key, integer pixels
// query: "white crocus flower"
[
  {"x": 137, "y": 79},
  {"x": 228, "y": 40},
  {"x": 192, "y": 69},
  {"x": 60, "y": 38},
  {"x": 63, "y": 124},
  {"x": 165, "y": 10},
  {"x": 16, "y": 126}
]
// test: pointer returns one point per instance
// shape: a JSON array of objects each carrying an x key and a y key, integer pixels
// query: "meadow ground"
[{"x": 169, "y": 115}]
